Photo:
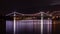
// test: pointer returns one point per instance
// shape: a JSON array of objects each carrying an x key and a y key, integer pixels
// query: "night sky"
[{"x": 26, "y": 6}]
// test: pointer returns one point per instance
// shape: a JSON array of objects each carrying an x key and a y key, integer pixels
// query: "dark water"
[{"x": 27, "y": 27}]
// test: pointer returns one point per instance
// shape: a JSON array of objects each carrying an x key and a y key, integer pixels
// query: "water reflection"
[{"x": 28, "y": 27}]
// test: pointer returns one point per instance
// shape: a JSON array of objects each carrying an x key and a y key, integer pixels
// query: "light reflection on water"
[{"x": 28, "y": 25}]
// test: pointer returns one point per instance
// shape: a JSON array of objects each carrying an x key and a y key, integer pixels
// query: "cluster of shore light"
[{"x": 54, "y": 17}]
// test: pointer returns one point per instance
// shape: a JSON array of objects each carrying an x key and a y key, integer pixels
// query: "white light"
[
  {"x": 41, "y": 22},
  {"x": 14, "y": 22},
  {"x": 48, "y": 25}
]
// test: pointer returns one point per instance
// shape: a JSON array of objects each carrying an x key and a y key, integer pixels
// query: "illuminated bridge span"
[{"x": 42, "y": 26}]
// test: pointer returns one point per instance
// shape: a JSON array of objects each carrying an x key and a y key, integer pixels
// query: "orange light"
[{"x": 53, "y": 17}]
